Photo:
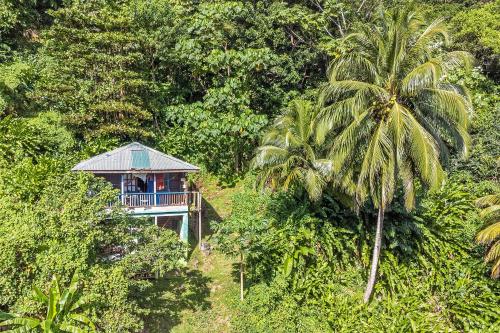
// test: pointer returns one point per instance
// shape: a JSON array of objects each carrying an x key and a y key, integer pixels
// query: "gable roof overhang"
[{"x": 134, "y": 158}]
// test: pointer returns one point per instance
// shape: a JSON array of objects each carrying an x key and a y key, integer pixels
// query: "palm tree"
[
  {"x": 290, "y": 155},
  {"x": 491, "y": 233},
  {"x": 62, "y": 312},
  {"x": 393, "y": 112}
]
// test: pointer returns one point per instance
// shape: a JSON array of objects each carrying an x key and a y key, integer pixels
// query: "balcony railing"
[{"x": 136, "y": 200}]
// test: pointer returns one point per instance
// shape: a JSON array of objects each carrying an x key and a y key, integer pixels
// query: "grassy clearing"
[
  {"x": 204, "y": 298},
  {"x": 221, "y": 299},
  {"x": 217, "y": 198}
]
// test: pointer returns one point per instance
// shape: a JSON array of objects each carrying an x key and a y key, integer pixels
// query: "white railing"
[{"x": 161, "y": 199}]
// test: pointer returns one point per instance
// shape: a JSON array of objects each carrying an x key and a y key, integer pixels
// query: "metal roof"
[{"x": 132, "y": 158}]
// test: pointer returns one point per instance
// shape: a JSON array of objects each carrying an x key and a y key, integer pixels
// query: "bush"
[{"x": 271, "y": 308}]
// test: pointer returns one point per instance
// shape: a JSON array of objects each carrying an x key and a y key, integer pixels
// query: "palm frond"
[
  {"x": 491, "y": 213},
  {"x": 457, "y": 59},
  {"x": 489, "y": 234},
  {"x": 494, "y": 256},
  {"x": 377, "y": 160},
  {"x": 424, "y": 154},
  {"x": 446, "y": 104},
  {"x": 426, "y": 75},
  {"x": 351, "y": 66},
  {"x": 437, "y": 29},
  {"x": 407, "y": 176},
  {"x": 342, "y": 112},
  {"x": 337, "y": 90},
  {"x": 344, "y": 143},
  {"x": 488, "y": 200},
  {"x": 314, "y": 184},
  {"x": 290, "y": 155}
]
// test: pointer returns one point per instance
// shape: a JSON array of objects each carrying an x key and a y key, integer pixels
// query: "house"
[{"x": 151, "y": 184}]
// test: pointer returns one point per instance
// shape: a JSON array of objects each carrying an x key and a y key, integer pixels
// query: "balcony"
[{"x": 167, "y": 200}]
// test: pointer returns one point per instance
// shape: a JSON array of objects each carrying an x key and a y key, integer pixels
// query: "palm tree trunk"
[
  {"x": 376, "y": 255},
  {"x": 241, "y": 276}
]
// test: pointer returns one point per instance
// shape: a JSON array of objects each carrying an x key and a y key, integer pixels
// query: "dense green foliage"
[
  {"x": 63, "y": 229},
  {"x": 388, "y": 116},
  {"x": 205, "y": 81},
  {"x": 53, "y": 223},
  {"x": 478, "y": 30},
  {"x": 200, "y": 80},
  {"x": 311, "y": 264},
  {"x": 93, "y": 71},
  {"x": 233, "y": 67}
]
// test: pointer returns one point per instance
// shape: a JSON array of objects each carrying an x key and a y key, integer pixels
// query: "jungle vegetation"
[{"x": 364, "y": 135}]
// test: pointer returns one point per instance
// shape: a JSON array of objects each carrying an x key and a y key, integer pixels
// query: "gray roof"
[{"x": 132, "y": 158}]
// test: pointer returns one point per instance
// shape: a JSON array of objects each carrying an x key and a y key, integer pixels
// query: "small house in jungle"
[{"x": 151, "y": 184}]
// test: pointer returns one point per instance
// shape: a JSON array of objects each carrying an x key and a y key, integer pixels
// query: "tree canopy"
[{"x": 347, "y": 131}]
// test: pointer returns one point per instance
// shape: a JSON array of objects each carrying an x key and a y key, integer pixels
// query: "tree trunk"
[
  {"x": 376, "y": 255},
  {"x": 236, "y": 159},
  {"x": 241, "y": 276}
]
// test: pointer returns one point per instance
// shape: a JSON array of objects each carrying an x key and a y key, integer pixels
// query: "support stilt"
[
  {"x": 184, "y": 228},
  {"x": 200, "y": 231}
]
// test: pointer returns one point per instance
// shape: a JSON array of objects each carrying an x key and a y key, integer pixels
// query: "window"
[
  {"x": 160, "y": 183},
  {"x": 129, "y": 183},
  {"x": 113, "y": 178},
  {"x": 140, "y": 159},
  {"x": 172, "y": 182},
  {"x": 133, "y": 184}
]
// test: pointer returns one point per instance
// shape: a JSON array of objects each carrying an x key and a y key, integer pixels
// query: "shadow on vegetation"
[
  {"x": 209, "y": 214},
  {"x": 229, "y": 180},
  {"x": 235, "y": 274},
  {"x": 169, "y": 296}
]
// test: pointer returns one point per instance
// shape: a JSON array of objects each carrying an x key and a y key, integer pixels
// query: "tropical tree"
[
  {"x": 63, "y": 311},
  {"x": 93, "y": 71},
  {"x": 237, "y": 235},
  {"x": 290, "y": 154},
  {"x": 490, "y": 235},
  {"x": 394, "y": 114}
]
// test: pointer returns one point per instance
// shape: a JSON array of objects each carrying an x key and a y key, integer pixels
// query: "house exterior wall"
[
  {"x": 114, "y": 179},
  {"x": 174, "y": 213},
  {"x": 169, "y": 222},
  {"x": 169, "y": 181},
  {"x": 165, "y": 181}
]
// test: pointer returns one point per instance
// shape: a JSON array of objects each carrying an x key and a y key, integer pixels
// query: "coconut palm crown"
[
  {"x": 290, "y": 152},
  {"x": 394, "y": 114}
]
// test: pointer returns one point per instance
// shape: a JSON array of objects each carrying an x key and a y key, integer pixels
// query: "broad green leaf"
[{"x": 288, "y": 265}]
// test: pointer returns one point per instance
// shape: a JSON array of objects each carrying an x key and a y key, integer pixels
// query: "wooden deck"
[{"x": 162, "y": 199}]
